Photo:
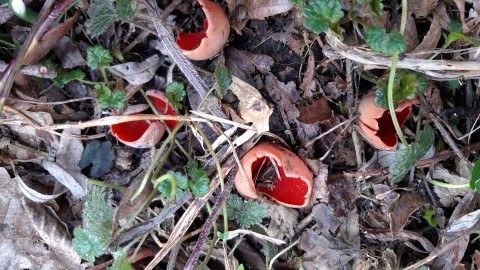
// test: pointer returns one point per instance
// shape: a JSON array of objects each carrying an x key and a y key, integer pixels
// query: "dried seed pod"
[
  {"x": 206, "y": 44},
  {"x": 276, "y": 172},
  {"x": 376, "y": 123}
]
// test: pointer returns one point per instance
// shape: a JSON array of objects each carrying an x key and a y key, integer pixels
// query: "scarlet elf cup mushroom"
[
  {"x": 376, "y": 123},
  {"x": 209, "y": 42},
  {"x": 143, "y": 134},
  {"x": 277, "y": 172}
]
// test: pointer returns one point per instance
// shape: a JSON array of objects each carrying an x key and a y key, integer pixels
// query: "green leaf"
[
  {"x": 63, "y": 78},
  {"x": 98, "y": 57},
  {"x": 321, "y": 14},
  {"x": 406, "y": 86},
  {"x": 475, "y": 179},
  {"x": 428, "y": 216},
  {"x": 455, "y": 26},
  {"x": 453, "y": 84},
  {"x": 222, "y": 236},
  {"x": 241, "y": 267},
  {"x": 49, "y": 63},
  {"x": 376, "y": 6},
  {"x": 120, "y": 261},
  {"x": 175, "y": 93},
  {"x": 455, "y": 36},
  {"x": 245, "y": 213},
  {"x": 165, "y": 187},
  {"x": 222, "y": 75},
  {"x": 102, "y": 15},
  {"x": 380, "y": 41},
  {"x": 109, "y": 99},
  {"x": 87, "y": 245},
  {"x": 126, "y": 9},
  {"x": 100, "y": 156},
  {"x": 298, "y": 3},
  {"x": 98, "y": 215},
  {"x": 408, "y": 157},
  {"x": 199, "y": 181}
]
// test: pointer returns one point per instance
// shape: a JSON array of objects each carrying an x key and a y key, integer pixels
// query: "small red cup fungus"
[
  {"x": 376, "y": 123},
  {"x": 143, "y": 134},
  {"x": 206, "y": 44},
  {"x": 276, "y": 172}
]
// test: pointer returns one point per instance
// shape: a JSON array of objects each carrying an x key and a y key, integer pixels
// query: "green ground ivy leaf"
[
  {"x": 380, "y": 41},
  {"x": 102, "y": 15},
  {"x": 63, "y": 77},
  {"x": 100, "y": 155},
  {"x": 408, "y": 157},
  {"x": 199, "y": 183},
  {"x": 223, "y": 79},
  {"x": 175, "y": 93},
  {"x": 406, "y": 86},
  {"x": 475, "y": 179},
  {"x": 109, "y": 99},
  {"x": 86, "y": 244},
  {"x": 321, "y": 14},
  {"x": 428, "y": 216},
  {"x": 126, "y": 9},
  {"x": 120, "y": 261},
  {"x": 98, "y": 57},
  {"x": 165, "y": 187}
]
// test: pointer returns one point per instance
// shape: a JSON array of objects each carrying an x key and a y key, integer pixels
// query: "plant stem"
[
  {"x": 6, "y": 43},
  {"x": 105, "y": 77},
  {"x": 214, "y": 241},
  {"x": 103, "y": 184},
  {"x": 391, "y": 108},
  {"x": 446, "y": 185},
  {"x": 154, "y": 161},
  {"x": 164, "y": 177},
  {"x": 404, "y": 18},
  {"x": 270, "y": 265}
]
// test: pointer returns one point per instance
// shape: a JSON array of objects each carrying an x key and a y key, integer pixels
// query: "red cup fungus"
[
  {"x": 142, "y": 133},
  {"x": 376, "y": 123},
  {"x": 276, "y": 172},
  {"x": 206, "y": 44}
]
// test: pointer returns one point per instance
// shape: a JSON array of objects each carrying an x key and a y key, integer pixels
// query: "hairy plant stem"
[
  {"x": 214, "y": 241},
  {"x": 103, "y": 184},
  {"x": 270, "y": 265},
  {"x": 164, "y": 177},
  {"x": 155, "y": 159},
  {"x": 105, "y": 77},
  {"x": 391, "y": 79},
  {"x": 443, "y": 184}
]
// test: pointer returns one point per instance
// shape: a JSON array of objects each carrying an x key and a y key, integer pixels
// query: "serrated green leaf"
[
  {"x": 234, "y": 203},
  {"x": 98, "y": 215},
  {"x": 100, "y": 155},
  {"x": 245, "y": 213},
  {"x": 109, "y": 99},
  {"x": 119, "y": 99},
  {"x": 406, "y": 86},
  {"x": 376, "y": 6},
  {"x": 49, "y": 63},
  {"x": 102, "y": 15},
  {"x": 86, "y": 244},
  {"x": 63, "y": 78},
  {"x": 380, "y": 41},
  {"x": 475, "y": 179},
  {"x": 224, "y": 80},
  {"x": 321, "y": 14},
  {"x": 199, "y": 181},
  {"x": 98, "y": 57},
  {"x": 175, "y": 93},
  {"x": 408, "y": 157},
  {"x": 165, "y": 187},
  {"x": 126, "y": 9},
  {"x": 120, "y": 261},
  {"x": 428, "y": 216}
]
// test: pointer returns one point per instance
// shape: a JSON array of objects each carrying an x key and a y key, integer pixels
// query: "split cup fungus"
[
  {"x": 143, "y": 134},
  {"x": 209, "y": 42},
  {"x": 276, "y": 172},
  {"x": 376, "y": 123}
]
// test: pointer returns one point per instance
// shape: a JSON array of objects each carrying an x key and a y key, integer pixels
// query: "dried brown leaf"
[
  {"x": 448, "y": 196},
  {"x": 316, "y": 112},
  {"x": 68, "y": 53},
  {"x": 285, "y": 95},
  {"x": 402, "y": 209},
  {"x": 64, "y": 178},
  {"x": 137, "y": 73},
  {"x": 259, "y": 9},
  {"x": 423, "y": 8},
  {"x": 430, "y": 40},
  {"x": 253, "y": 108}
]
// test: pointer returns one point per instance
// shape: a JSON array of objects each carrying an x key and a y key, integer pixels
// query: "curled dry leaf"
[
  {"x": 253, "y": 108},
  {"x": 376, "y": 123},
  {"x": 206, "y": 44},
  {"x": 143, "y": 134},
  {"x": 137, "y": 73},
  {"x": 260, "y": 9},
  {"x": 276, "y": 172}
]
